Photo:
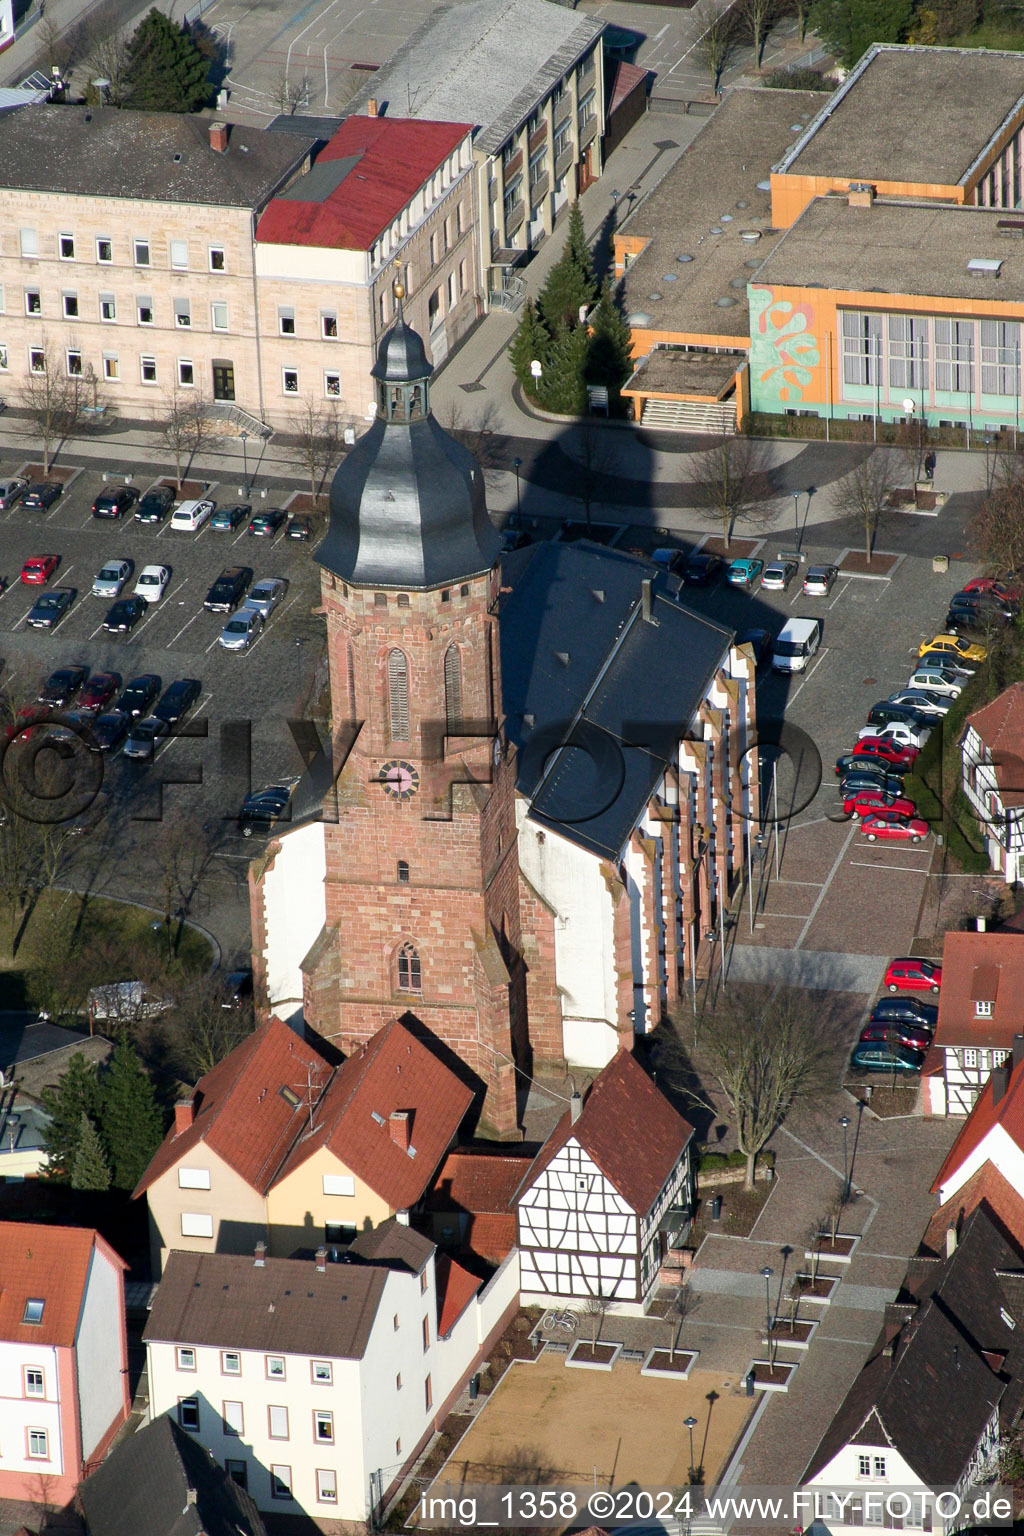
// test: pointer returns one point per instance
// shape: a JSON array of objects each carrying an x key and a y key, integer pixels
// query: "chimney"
[
  {"x": 259, "y": 1262},
  {"x": 575, "y": 1107},
  {"x": 191, "y": 1498},
  {"x": 981, "y": 924},
  {"x": 184, "y": 1115},
  {"x": 646, "y": 608},
  {"x": 1000, "y": 1083},
  {"x": 402, "y": 1217},
  {"x": 951, "y": 1241},
  {"x": 399, "y": 1127},
  {"x": 861, "y": 194},
  {"x": 371, "y": 107},
  {"x": 321, "y": 1260},
  {"x": 219, "y": 138},
  {"x": 1018, "y": 1051}
]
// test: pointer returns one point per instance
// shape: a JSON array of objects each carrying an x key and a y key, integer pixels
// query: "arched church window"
[
  {"x": 453, "y": 690},
  {"x": 398, "y": 696},
  {"x": 403, "y": 872},
  {"x": 409, "y": 969}
]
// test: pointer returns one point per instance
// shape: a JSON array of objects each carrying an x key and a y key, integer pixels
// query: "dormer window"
[{"x": 982, "y": 1009}]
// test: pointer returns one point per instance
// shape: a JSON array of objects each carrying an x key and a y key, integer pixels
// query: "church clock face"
[{"x": 399, "y": 780}]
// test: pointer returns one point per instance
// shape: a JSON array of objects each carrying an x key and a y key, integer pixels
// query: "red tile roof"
[
  {"x": 628, "y": 1128},
  {"x": 985, "y": 1187},
  {"x": 490, "y": 1236},
  {"x": 47, "y": 1264},
  {"x": 456, "y": 1288},
  {"x": 391, "y": 158},
  {"x": 478, "y": 1182},
  {"x": 240, "y": 1111},
  {"x": 970, "y": 960},
  {"x": 394, "y": 1073},
  {"x": 1008, "y": 1113},
  {"x": 1001, "y": 727}
]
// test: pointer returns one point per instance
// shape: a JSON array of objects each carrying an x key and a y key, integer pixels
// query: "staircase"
[
  {"x": 690, "y": 415},
  {"x": 510, "y": 296},
  {"x": 233, "y": 416}
]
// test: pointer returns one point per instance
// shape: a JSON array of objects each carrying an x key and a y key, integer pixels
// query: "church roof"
[{"x": 577, "y": 663}]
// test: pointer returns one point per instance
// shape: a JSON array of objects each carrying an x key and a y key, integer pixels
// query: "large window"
[
  {"x": 1000, "y": 357},
  {"x": 862, "y": 347},
  {"x": 398, "y": 696},
  {"x": 453, "y": 690},
  {"x": 409, "y": 978},
  {"x": 954, "y": 355},
  {"x": 908, "y": 352}
]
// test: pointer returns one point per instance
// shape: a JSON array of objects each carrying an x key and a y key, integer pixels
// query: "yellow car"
[{"x": 955, "y": 646}]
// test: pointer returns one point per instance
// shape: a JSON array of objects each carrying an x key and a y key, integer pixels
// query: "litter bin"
[
  {"x": 748, "y": 1382},
  {"x": 716, "y": 1208},
  {"x": 474, "y": 1388}
]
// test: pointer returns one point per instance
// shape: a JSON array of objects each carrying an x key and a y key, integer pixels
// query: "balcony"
[
  {"x": 512, "y": 166},
  {"x": 588, "y": 131}
]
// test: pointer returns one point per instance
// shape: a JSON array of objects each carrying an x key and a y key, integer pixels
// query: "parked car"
[
  {"x": 897, "y": 731},
  {"x": 155, "y": 505},
  {"x": 124, "y": 615},
  {"x": 263, "y": 810},
  {"x": 976, "y": 618},
  {"x": 902, "y": 1009},
  {"x": 760, "y": 642},
  {"x": 865, "y": 762},
  {"x": 886, "y": 827},
  {"x": 945, "y": 661},
  {"x": 886, "y": 713},
  {"x": 178, "y": 699},
  {"x": 236, "y": 989},
  {"x": 265, "y": 524},
  {"x": 115, "y": 503},
  {"x": 38, "y": 569},
  {"x": 777, "y": 576},
  {"x": 887, "y": 1057},
  {"x": 145, "y": 737},
  {"x": 867, "y": 802},
  {"x": 999, "y": 602},
  {"x": 869, "y": 779},
  {"x": 191, "y": 515},
  {"x": 700, "y": 570},
  {"x": 99, "y": 691},
  {"x": 897, "y": 1032},
  {"x": 226, "y": 519},
  {"x": 40, "y": 497},
  {"x": 743, "y": 573},
  {"x": 49, "y": 609},
  {"x": 953, "y": 645},
  {"x": 139, "y": 694},
  {"x": 925, "y": 701},
  {"x": 950, "y": 684},
  {"x": 110, "y": 578},
  {"x": 909, "y": 974},
  {"x": 11, "y": 492},
  {"x": 820, "y": 580},
  {"x": 268, "y": 594},
  {"x": 228, "y": 590},
  {"x": 110, "y": 729},
  {"x": 242, "y": 631},
  {"x": 152, "y": 583},
  {"x": 63, "y": 686},
  {"x": 301, "y": 527},
  {"x": 1009, "y": 590},
  {"x": 899, "y": 757}
]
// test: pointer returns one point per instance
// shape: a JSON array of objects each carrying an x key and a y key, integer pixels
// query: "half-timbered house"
[{"x": 981, "y": 1008}]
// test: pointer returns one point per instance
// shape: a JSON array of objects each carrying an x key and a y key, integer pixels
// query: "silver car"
[
  {"x": 820, "y": 580},
  {"x": 11, "y": 492},
  {"x": 267, "y": 595},
  {"x": 109, "y": 581},
  {"x": 240, "y": 632}
]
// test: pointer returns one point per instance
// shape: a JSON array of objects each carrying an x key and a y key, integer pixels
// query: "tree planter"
[
  {"x": 768, "y": 1378},
  {"x": 836, "y": 1250},
  {"x": 589, "y": 1357},
  {"x": 820, "y": 1290},
  {"x": 796, "y": 1337},
  {"x": 677, "y": 1365}
]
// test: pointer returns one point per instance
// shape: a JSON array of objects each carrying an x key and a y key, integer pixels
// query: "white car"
[
  {"x": 241, "y": 631},
  {"x": 902, "y": 735},
  {"x": 820, "y": 580},
  {"x": 191, "y": 515},
  {"x": 152, "y": 582},
  {"x": 948, "y": 683},
  {"x": 267, "y": 595},
  {"x": 778, "y": 575},
  {"x": 109, "y": 581}
]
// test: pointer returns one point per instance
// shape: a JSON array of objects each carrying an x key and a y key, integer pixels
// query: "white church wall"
[{"x": 295, "y": 908}]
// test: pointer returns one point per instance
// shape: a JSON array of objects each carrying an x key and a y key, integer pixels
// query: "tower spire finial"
[{"x": 398, "y": 289}]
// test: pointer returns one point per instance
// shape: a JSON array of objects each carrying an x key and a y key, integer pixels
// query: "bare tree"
[
  {"x": 865, "y": 493},
  {"x": 58, "y": 45},
  {"x": 595, "y": 1307},
  {"x": 319, "y": 432},
  {"x": 290, "y": 95},
  {"x": 52, "y": 397},
  {"x": 183, "y": 861},
  {"x": 716, "y": 46},
  {"x": 104, "y": 51},
  {"x": 185, "y": 426},
  {"x": 731, "y": 479},
  {"x": 202, "y": 1030},
  {"x": 683, "y": 1304},
  {"x": 480, "y": 433},
  {"x": 592, "y": 450},
  {"x": 800, "y": 10},
  {"x": 997, "y": 528},
  {"x": 753, "y": 20}
]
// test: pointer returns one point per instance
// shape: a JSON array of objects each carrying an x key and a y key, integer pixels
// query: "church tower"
[{"x": 421, "y": 855}]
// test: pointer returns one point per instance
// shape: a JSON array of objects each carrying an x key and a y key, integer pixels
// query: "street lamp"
[
  {"x": 691, "y": 1424},
  {"x": 844, "y": 1121},
  {"x": 910, "y": 407},
  {"x": 767, "y": 1272},
  {"x": 796, "y": 517},
  {"x": 245, "y": 462},
  {"x": 517, "y": 465}
]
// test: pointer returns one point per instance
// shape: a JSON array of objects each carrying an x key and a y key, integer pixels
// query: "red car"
[
  {"x": 893, "y": 829},
  {"x": 909, "y": 974},
  {"x": 886, "y": 750},
  {"x": 37, "y": 570},
  {"x": 914, "y": 1036},
  {"x": 868, "y": 802},
  {"x": 994, "y": 585},
  {"x": 98, "y": 691},
  {"x": 27, "y": 716}
]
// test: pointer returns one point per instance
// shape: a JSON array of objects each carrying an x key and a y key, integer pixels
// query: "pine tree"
[
  {"x": 166, "y": 72},
  {"x": 78, "y": 1093},
  {"x": 531, "y": 342},
  {"x": 89, "y": 1170},
  {"x": 577, "y": 243},
  {"x": 132, "y": 1124},
  {"x": 570, "y": 284},
  {"x": 608, "y": 359},
  {"x": 562, "y": 388}
]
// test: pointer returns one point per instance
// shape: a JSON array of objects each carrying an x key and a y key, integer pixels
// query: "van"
[
  {"x": 124, "y": 1002},
  {"x": 797, "y": 641}
]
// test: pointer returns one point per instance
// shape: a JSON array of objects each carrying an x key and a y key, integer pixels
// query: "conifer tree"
[
  {"x": 89, "y": 1170},
  {"x": 608, "y": 359},
  {"x": 530, "y": 343},
  {"x": 132, "y": 1123},
  {"x": 562, "y": 387},
  {"x": 166, "y": 71},
  {"x": 78, "y": 1093}
]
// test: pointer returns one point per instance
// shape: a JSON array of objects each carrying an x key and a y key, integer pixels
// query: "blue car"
[
  {"x": 744, "y": 573},
  {"x": 886, "y": 1056}
]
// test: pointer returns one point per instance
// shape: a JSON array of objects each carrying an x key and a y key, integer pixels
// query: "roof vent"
[
  {"x": 984, "y": 266},
  {"x": 751, "y": 236},
  {"x": 684, "y": 258},
  {"x": 597, "y": 594},
  {"x": 861, "y": 194},
  {"x": 378, "y": 1117},
  {"x": 1014, "y": 228},
  {"x": 563, "y": 657},
  {"x": 638, "y": 319},
  {"x": 764, "y": 186}
]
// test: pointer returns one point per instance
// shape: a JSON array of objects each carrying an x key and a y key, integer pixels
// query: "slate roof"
[
  {"x": 47, "y": 1264},
  {"x": 488, "y": 62},
  {"x": 904, "y": 1400},
  {"x": 363, "y": 178},
  {"x": 227, "y": 1301},
  {"x": 142, "y": 1490},
  {"x": 126, "y": 154},
  {"x": 628, "y": 1128},
  {"x": 577, "y": 664},
  {"x": 963, "y": 956},
  {"x": 1000, "y": 725}
]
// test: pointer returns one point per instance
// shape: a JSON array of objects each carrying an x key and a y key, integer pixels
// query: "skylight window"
[{"x": 34, "y": 1310}]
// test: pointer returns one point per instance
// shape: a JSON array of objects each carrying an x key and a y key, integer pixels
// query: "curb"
[{"x": 143, "y": 906}]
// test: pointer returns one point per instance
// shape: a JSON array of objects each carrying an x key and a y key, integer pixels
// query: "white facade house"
[
  {"x": 981, "y": 1011},
  {"x": 992, "y": 753},
  {"x": 315, "y": 1384},
  {"x": 295, "y": 907}
]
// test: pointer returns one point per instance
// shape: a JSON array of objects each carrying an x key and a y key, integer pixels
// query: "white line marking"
[
  {"x": 911, "y": 869},
  {"x": 824, "y": 890},
  {"x": 182, "y": 630}
]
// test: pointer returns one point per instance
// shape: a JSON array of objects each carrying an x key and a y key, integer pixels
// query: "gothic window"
[
  {"x": 453, "y": 690},
  {"x": 403, "y": 872},
  {"x": 398, "y": 696},
  {"x": 408, "y": 969}
]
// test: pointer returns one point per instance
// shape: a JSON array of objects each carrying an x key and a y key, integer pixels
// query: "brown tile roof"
[
  {"x": 1001, "y": 727},
  {"x": 987, "y": 1187},
  {"x": 226, "y": 1301},
  {"x": 394, "y": 1073},
  {"x": 1008, "y": 1113},
  {"x": 240, "y": 1112},
  {"x": 1000, "y": 959},
  {"x": 456, "y": 1288},
  {"x": 628, "y": 1128},
  {"x": 47, "y": 1264},
  {"x": 478, "y": 1182},
  {"x": 394, "y": 1246}
]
